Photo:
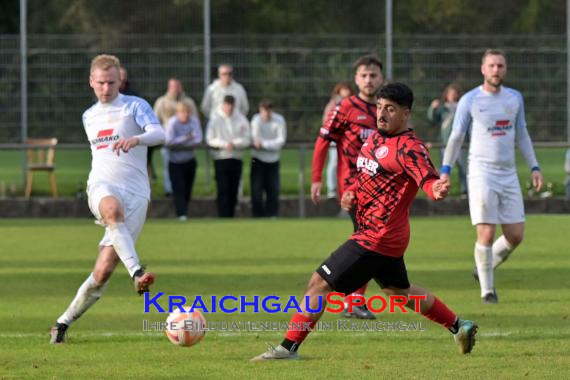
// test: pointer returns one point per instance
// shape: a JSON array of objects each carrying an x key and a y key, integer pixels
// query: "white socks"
[
  {"x": 484, "y": 261},
  {"x": 89, "y": 292},
  {"x": 501, "y": 251},
  {"x": 125, "y": 247}
]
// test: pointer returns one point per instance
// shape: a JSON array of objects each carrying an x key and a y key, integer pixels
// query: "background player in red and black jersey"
[
  {"x": 392, "y": 165},
  {"x": 348, "y": 125}
]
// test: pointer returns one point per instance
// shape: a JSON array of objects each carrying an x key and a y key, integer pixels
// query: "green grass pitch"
[{"x": 42, "y": 263}]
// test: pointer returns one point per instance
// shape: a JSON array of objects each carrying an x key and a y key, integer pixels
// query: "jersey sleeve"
[
  {"x": 319, "y": 157},
  {"x": 332, "y": 130},
  {"x": 461, "y": 123},
  {"x": 143, "y": 113},
  {"x": 418, "y": 165},
  {"x": 336, "y": 122},
  {"x": 523, "y": 139}
]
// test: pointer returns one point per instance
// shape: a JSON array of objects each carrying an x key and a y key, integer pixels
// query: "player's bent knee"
[{"x": 111, "y": 210}]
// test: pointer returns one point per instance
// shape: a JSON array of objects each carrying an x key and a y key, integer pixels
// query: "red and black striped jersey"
[
  {"x": 349, "y": 124},
  {"x": 390, "y": 171}
]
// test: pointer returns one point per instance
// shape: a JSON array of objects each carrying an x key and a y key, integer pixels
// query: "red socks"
[
  {"x": 359, "y": 292},
  {"x": 440, "y": 313},
  {"x": 299, "y": 327}
]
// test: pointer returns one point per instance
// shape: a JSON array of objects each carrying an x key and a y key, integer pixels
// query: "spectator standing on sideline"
[
  {"x": 220, "y": 88},
  {"x": 182, "y": 131},
  {"x": 165, "y": 108},
  {"x": 268, "y": 132},
  {"x": 441, "y": 112},
  {"x": 228, "y": 134},
  {"x": 340, "y": 91},
  {"x": 125, "y": 87}
]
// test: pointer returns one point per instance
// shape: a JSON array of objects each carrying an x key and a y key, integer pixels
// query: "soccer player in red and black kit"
[
  {"x": 348, "y": 125},
  {"x": 392, "y": 165}
]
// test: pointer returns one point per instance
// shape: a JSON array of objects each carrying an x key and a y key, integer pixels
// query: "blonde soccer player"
[{"x": 119, "y": 129}]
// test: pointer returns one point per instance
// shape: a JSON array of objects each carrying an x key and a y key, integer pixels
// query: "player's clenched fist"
[
  {"x": 125, "y": 145},
  {"x": 348, "y": 198},
  {"x": 440, "y": 188}
]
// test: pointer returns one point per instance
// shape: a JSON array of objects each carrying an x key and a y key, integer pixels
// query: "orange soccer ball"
[{"x": 185, "y": 329}]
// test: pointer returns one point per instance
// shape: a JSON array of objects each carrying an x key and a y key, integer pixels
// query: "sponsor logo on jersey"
[
  {"x": 500, "y": 128},
  {"x": 367, "y": 165},
  {"x": 326, "y": 269},
  {"x": 361, "y": 117},
  {"x": 104, "y": 138},
  {"x": 381, "y": 152},
  {"x": 364, "y": 133}
]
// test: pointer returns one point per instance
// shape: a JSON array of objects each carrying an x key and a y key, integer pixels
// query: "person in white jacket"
[
  {"x": 228, "y": 134},
  {"x": 219, "y": 88},
  {"x": 268, "y": 132}
]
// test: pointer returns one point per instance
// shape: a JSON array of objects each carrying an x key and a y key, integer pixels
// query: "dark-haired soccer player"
[
  {"x": 348, "y": 125},
  {"x": 392, "y": 165}
]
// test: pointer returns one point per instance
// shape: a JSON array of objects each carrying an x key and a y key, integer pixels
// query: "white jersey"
[
  {"x": 105, "y": 124},
  {"x": 497, "y": 122}
]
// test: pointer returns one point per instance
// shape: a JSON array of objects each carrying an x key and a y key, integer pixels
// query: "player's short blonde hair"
[{"x": 105, "y": 62}]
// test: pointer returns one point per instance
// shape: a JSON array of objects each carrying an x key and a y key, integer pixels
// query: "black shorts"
[{"x": 351, "y": 266}]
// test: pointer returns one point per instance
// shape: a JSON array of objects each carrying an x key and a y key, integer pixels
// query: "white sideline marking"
[{"x": 498, "y": 333}]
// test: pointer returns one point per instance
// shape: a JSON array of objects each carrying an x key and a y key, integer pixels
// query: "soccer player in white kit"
[
  {"x": 119, "y": 129},
  {"x": 496, "y": 116}
]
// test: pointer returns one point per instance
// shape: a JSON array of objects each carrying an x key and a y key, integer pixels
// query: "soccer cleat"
[
  {"x": 490, "y": 298},
  {"x": 475, "y": 274},
  {"x": 58, "y": 333},
  {"x": 276, "y": 353},
  {"x": 143, "y": 280},
  {"x": 465, "y": 336},
  {"x": 360, "y": 312}
]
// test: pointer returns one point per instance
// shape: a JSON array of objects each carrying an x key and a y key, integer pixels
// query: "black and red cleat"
[{"x": 143, "y": 280}]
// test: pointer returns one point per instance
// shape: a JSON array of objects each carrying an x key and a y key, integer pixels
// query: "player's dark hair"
[
  {"x": 229, "y": 99},
  {"x": 493, "y": 52},
  {"x": 266, "y": 104},
  {"x": 399, "y": 93},
  {"x": 368, "y": 60}
]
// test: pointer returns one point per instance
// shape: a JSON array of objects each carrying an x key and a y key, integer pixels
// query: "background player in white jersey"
[
  {"x": 496, "y": 116},
  {"x": 119, "y": 129}
]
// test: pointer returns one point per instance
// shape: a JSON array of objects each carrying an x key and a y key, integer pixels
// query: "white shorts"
[
  {"x": 495, "y": 199},
  {"x": 134, "y": 208}
]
